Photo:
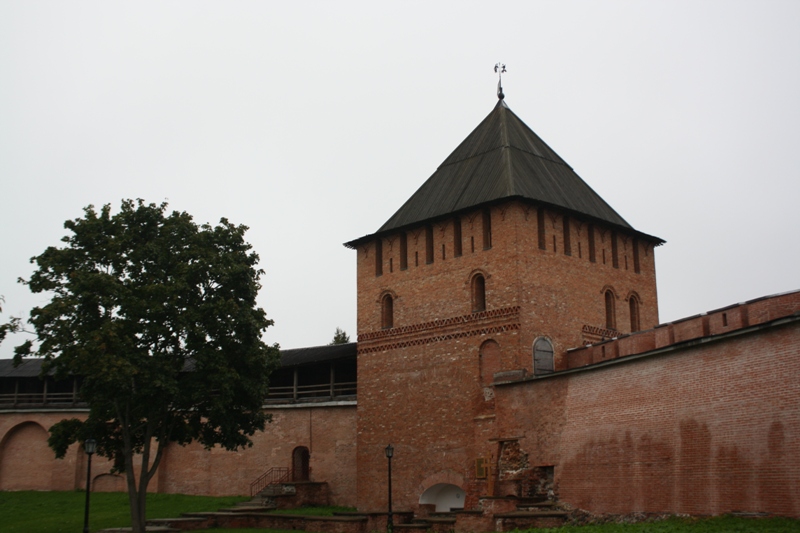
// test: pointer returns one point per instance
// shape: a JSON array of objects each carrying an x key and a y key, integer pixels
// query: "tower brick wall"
[{"x": 423, "y": 381}]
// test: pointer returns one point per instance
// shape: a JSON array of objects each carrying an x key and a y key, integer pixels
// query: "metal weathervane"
[{"x": 500, "y": 68}]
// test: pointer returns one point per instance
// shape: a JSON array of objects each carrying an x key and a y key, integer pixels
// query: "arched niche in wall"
[
  {"x": 26, "y": 461},
  {"x": 490, "y": 361},
  {"x": 445, "y": 496}
]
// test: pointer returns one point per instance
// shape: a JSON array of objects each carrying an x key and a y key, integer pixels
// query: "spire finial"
[{"x": 500, "y": 68}]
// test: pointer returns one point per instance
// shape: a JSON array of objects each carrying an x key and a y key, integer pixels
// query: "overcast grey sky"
[{"x": 312, "y": 122}]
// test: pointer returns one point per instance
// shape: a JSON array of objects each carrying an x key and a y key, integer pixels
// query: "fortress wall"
[
  {"x": 706, "y": 429},
  {"x": 26, "y": 463}
]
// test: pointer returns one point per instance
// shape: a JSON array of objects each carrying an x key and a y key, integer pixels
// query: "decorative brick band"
[
  {"x": 600, "y": 332},
  {"x": 436, "y": 324},
  {"x": 440, "y": 338}
]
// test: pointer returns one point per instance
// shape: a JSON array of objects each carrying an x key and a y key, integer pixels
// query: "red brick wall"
[
  {"x": 707, "y": 429},
  {"x": 420, "y": 382},
  {"x": 328, "y": 432},
  {"x": 27, "y": 463}
]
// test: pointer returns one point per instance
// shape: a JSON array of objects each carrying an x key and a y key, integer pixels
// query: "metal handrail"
[{"x": 273, "y": 476}]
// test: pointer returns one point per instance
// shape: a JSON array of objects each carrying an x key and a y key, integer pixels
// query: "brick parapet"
[{"x": 718, "y": 322}]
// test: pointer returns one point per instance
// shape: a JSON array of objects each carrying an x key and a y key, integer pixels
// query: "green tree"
[
  {"x": 159, "y": 317},
  {"x": 340, "y": 337},
  {"x": 12, "y": 326}
]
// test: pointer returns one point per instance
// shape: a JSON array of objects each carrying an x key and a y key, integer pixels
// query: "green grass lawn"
[
  {"x": 720, "y": 524},
  {"x": 57, "y": 512}
]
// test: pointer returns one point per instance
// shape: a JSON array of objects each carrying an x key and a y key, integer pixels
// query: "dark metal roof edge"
[
  {"x": 315, "y": 354},
  {"x": 31, "y": 366},
  {"x": 657, "y": 241}
]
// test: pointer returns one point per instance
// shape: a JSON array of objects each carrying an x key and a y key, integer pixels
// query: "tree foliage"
[
  {"x": 340, "y": 337},
  {"x": 12, "y": 326},
  {"x": 159, "y": 317}
]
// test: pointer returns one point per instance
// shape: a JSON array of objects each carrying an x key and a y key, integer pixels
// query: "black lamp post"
[
  {"x": 389, "y": 522},
  {"x": 90, "y": 446}
]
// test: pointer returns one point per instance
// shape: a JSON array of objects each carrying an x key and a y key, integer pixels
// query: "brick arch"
[
  {"x": 26, "y": 461},
  {"x": 445, "y": 477},
  {"x": 633, "y": 294},
  {"x": 611, "y": 288},
  {"x": 473, "y": 273},
  {"x": 384, "y": 292}
]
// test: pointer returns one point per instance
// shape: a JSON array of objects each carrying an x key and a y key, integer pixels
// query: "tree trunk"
[{"x": 137, "y": 496}]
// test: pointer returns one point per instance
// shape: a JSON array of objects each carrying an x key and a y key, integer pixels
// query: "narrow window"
[
  {"x": 610, "y": 314},
  {"x": 554, "y": 243},
  {"x": 403, "y": 251},
  {"x": 633, "y": 303},
  {"x": 443, "y": 253},
  {"x": 429, "y": 244},
  {"x": 379, "y": 257},
  {"x": 540, "y": 223},
  {"x": 472, "y": 243},
  {"x": 487, "y": 229},
  {"x": 391, "y": 265},
  {"x": 636, "y": 267},
  {"x": 580, "y": 255},
  {"x": 387, "y": 311},
  {"x": 457, "y": 237},
  {"x": 614, "y": 251},
  {"x": 542, "y": 357},
  {"x": 478, "y": 293},
  {"x": 567, "y": 245},
  {"x": 725, "y": 319},
  {"x": 592, "y": 256},
  {"x": 416, "y": 259}
]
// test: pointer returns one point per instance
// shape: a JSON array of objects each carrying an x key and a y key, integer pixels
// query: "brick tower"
[{"x": 501, "y": 261}]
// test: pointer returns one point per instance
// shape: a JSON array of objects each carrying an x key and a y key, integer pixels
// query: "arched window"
[
  {"x": 542, "y": 356},
  {"x": 611, "y": 317},
  {"x": 387, "y": 311},
  {"x": 478, "y": 293},
  {"x": 633, "y": 304}
]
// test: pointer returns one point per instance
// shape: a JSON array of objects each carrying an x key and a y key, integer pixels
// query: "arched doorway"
[
  {"x": 26, "y": 462},
  {"x": 445, "y": 496},
  {"x": 300, "y": 468}
]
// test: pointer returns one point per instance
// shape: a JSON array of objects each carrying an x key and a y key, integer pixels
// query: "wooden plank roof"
[
  {"x": 32, "y": 366},
  {"x": 502, "y": 159}
]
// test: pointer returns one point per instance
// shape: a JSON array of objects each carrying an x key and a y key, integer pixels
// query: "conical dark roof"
[{"x": 502, "y": 159}]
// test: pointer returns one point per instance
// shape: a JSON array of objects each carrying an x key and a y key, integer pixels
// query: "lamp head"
[
  {"x": 389, "y": 451},
  {"x": 90, "y": 446}
]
